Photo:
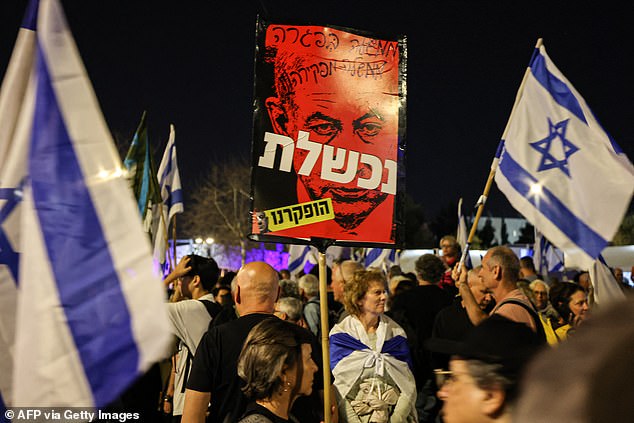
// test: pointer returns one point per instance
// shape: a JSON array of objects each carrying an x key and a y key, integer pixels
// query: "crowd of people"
[{"x": 441, "y": 344}]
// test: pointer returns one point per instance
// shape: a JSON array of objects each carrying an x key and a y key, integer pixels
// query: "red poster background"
[{"x": 335, "y": 101}]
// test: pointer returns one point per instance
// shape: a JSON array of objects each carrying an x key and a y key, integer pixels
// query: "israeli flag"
[
  {"x": 171, "y": 194},
  {"x": 560, "y": 169},
  {"x": 380, "y": 258},
  {"x": 89, "y": 316},
  {"x": 546, "y": 257},
  {"x": 299, "y": 255},
  {"x": 606, "y": 288}
]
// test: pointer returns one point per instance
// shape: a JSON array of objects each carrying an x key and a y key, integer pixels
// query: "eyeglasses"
[{"x": 443, "y": 377}]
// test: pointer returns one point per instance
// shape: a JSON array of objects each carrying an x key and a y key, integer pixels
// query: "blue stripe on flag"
[
  {"x": 168, "y": 166},
  {"x": 398, "y": 348},
  {"x": 342, "y": 345},
  {"x": 498, "y": 152},
  {"x": 557, "y": 88},
  {"x": 552, "y": 208},
  {"x": 78, "y": 252},
  {"x": 372, "y": 255},
  {"x": 8, "y": 255},
  {"x": 175, "y": 197},
  {"x": 30, "y": 16},
  {"x": 292, "y": 266}
]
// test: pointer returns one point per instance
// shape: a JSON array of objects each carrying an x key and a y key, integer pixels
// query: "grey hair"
[
  {"x": 533, "y": 284},
  {"x": 310, "y": 284},
  {"x": 293, "y": 307},
  {"x": 507, "y": 260}
]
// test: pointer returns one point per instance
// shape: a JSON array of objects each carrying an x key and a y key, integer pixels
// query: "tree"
[
  {"x": 446, "y": 221},
  {"x": 417, "y": 232},
  {"x": 221, "y": 204},
  {"x": 487, "y": 235},
  {"x": 527, "y": 234},
  {"x": 504, "y": 234}
]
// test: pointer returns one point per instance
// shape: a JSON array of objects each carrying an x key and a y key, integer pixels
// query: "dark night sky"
[{"x": 191, "y": 63}]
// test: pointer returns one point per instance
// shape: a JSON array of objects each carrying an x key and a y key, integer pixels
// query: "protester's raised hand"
[{"x": 182, "y": 267}]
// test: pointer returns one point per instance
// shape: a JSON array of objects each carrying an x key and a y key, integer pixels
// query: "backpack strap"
[
  {"x": 213, "y": 309},
  {"x": 539, "y": 326}
]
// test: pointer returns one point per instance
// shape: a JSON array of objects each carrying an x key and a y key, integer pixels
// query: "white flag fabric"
[
  {"x": 607, "y": 289},
  {"x": 171, "y": 194},
  {"x": 560, "y": 169},
  {"x": 380, "y": 258},
  {"x": 90, "y": 312},
  {"x": 14, "y": 103},
  {"x": 461, "y": 232},
  {"x": 546, "y": 257},
  {"x": 462, "y": 235}
]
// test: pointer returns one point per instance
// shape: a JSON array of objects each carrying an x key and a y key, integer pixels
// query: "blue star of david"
[
  {"x": 7, "y": 255},
  {"x": 548, "y": 161}
]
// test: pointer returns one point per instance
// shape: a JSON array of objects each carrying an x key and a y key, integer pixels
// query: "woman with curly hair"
[
  {"x": 369, "y": 357},
  {"x": 571, "y": 302}
]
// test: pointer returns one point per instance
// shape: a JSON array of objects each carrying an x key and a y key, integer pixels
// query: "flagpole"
[
  {"x": 322, "y": 245},
  {"x": 494, "y": 165},
  {"x": 165, "y": 235},
  {"x": 174, "y": 238},
  {"x": 325, "y": 348}
]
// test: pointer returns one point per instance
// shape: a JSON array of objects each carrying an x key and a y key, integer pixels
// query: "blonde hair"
[{"x": 355, "y": 289}]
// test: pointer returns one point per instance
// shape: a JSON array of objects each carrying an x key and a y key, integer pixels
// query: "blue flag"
[
  {"x": 560, "y": 169},
  {"x": 90, "y": 315}
]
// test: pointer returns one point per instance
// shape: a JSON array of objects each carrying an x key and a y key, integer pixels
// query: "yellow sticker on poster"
[{"x": 299, "y": 215}]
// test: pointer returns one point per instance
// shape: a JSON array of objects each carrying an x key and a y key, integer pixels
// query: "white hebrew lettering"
[
  {"x": 377, "y": 172},
  {"x": 390, "y": 186},
  {"x": 314, "y": 149},
  {"x": 270, "y": 150},
  {"x": 328, "y": 163}
]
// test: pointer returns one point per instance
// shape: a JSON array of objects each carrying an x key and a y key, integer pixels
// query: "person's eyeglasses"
[{"x": 443, "y": 377}]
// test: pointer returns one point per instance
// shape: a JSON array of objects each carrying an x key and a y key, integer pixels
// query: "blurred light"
[
  {"x": 536, "y": 189},
  {"x": 209, "y": 240},
  {"x": 198, "y": 240},
  {"x": 105, "y": 174}
]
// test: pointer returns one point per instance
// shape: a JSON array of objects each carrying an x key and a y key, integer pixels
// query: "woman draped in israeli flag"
[{"x": 369, "y": 357}]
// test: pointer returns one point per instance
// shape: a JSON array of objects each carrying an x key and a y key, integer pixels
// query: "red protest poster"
[{"x": 329, "y": 135}]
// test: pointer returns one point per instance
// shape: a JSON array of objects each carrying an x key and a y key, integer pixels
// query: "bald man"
[{"x": 213, "y": 377}]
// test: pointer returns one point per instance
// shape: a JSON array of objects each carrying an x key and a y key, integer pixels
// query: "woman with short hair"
[
  {"x": 369, "y": 357},
  {"x": 277, "y": 367}
]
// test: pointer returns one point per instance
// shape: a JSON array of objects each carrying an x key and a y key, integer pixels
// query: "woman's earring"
[{"x": 288, "y": 386}]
